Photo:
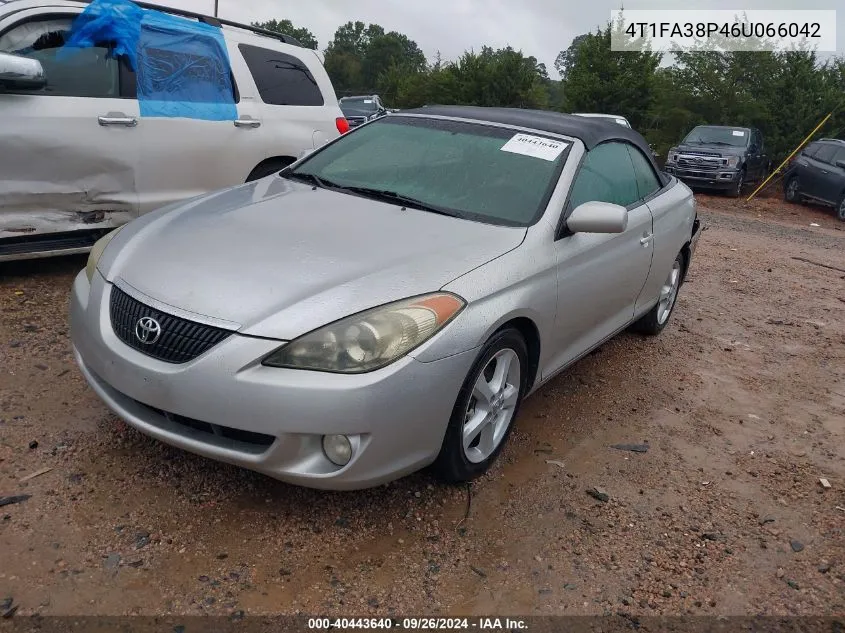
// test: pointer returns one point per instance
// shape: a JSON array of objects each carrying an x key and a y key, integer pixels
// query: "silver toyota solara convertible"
[{"x": 387, "y": 302}]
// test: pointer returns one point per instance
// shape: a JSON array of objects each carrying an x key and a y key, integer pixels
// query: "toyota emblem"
[{"x": 148, "y": 331}]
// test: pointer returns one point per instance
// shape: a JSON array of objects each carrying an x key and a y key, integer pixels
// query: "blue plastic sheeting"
[
  {"x": 182, "y": 66},
  {"x": 183, "y": 70},
  {"x": 115, "y": 21}
]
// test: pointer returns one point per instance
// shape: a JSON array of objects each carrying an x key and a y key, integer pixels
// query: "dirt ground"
[{"x": 741, "y": 402}]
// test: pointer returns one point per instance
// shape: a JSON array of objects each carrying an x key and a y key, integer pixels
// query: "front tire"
[
  {"x": 791, "y": 192},
  {"x": 840, "y": 208},
  {"x": 736, "y": 192},
  {"x": 486, "y": 407},
  {"x": 656, "y": 319}
]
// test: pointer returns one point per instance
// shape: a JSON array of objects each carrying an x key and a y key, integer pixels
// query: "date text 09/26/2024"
[{"x": 418, "y": 624}]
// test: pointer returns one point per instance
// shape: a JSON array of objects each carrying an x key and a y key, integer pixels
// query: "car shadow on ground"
[{"x": 46, "y": 267}]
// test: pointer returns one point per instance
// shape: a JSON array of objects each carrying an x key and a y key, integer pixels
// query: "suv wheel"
[
  {"x": 840, "y": 209},
  {"x": 791, "y": 192}
]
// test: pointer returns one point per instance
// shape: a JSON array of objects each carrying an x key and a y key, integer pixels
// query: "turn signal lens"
[{"x": 342, "y": 125}]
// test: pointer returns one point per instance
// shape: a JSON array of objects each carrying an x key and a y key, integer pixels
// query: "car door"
[
  {"x": 186, "y": 154},
  {"x": 814, "y": 179},
  {"x": 68, "y": 152},
  {"x": 671, "y": 227},
  {"x": 764, "y": 157},
  {"x": 601, "y": 276},
  {"x": 832, "y": 178}
]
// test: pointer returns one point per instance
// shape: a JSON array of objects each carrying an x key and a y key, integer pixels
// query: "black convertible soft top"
[{"x": 590, "y": 131}]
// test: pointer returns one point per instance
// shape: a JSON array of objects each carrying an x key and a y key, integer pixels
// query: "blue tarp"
[{"x": 182, "y": 66}]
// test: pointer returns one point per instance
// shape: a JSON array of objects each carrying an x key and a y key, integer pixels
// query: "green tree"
[
  {"x": 360, "y": 54},
  {"x": 598, "y": 79},
  {"x": 286, "y": 27}
]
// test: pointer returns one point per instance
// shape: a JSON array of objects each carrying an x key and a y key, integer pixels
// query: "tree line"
[{"x": 785, "y": 94}]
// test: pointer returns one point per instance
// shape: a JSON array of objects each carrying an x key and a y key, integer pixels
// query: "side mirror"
[
  {"x": 598, "y": 217},
  {"x": 21, "y": 73},
  {"x": 840, "y": 164},
  {"x": 752, "y": 149}
]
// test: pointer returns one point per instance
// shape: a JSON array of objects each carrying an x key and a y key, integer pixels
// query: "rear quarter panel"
[
  {"x": 673, "y": 212},
  {"x": 288, "y": 130}
]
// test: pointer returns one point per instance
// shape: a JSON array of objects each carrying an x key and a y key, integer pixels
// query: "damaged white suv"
[{"x": 111, "y": 109}]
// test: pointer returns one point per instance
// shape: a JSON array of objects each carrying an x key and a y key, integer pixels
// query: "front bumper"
[
  {"x": 721, "y": 179},
  {"x": 226, "y": 406}
]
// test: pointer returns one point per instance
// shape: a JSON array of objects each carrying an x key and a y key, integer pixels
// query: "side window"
[
  {"x": 281, "y": 79},
  {"x": 810, "y": 150},
  {"x": 606, "y": 175},
  {"x": 840, "y": 155},
  {"x": 825, "y": 153},
  {"x": 83, "y": 72},
  {"x": 647, "y": 182}
]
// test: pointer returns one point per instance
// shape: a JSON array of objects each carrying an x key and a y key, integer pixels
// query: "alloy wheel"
[
  {"x": 669, "y": 293},
  {"x": 491, "y": 406},
  {"x": 792, "y": 190}
]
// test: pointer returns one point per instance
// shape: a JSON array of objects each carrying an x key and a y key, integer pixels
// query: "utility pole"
[{"x": 216, "y": 5}]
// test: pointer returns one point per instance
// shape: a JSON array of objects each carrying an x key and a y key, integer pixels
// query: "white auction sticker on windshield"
[
  {"x": 739, "y": 133},
  {"x": 535, "y": 146}
]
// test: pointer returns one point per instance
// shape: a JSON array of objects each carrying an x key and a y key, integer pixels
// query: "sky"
[{"x": 541, "y": 28}]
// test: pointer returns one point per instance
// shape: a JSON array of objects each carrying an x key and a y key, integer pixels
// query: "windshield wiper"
[
  {"x": 392, "y": 196},
  {"x": 719, "y": 143},
  {"x": 309, "y": 178}
]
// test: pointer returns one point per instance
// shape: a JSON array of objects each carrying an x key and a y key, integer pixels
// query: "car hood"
[
  {"x": 709, "y": 148},
  {"x": 277, "y": 259}
]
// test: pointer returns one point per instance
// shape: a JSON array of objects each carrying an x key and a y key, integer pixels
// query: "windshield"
[
  {"x": 357, "y": 105},
  {"x": 469, "y": 170},
  {"x": 737, "y": 137}
]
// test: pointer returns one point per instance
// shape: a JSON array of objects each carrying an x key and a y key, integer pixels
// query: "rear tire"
[
  {"x": 840, "y": 209},
  {"x": 791, "y": 192},
  {"x": 268, "y": 168},
  {"x": 656, "y": 319},
  {"x": 485, "y": 410}
]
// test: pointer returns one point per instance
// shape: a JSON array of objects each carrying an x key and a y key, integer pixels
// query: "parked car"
[
  {"x": 818, "y": 174},
  {"x": 79, "y": 154},
  {"x": 387, "y": 302},
  {"x": 359, "y": 110},
  {"x": 720, "y": 157},
  {"x": 621, "y": 120}
]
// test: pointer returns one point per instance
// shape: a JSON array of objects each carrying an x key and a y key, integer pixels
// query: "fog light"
[{"x": 338, "y": 449}]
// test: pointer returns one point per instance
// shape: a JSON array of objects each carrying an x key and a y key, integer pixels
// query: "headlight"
[
  {"x": 370, "y": 340},
  {"x": 97, "y": 252},
  {"x": 733, "y": 161}
]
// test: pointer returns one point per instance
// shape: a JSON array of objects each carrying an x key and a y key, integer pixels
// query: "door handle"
[
  {"x": 825, "y": 172},
  {"x": 646, "y": 240},
  {"x": 125, "y": 121},
  {"x": 249, "y": 123}
]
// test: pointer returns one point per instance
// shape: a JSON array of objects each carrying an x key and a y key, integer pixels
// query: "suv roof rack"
[
  {"x": 218, "y": 22},
  {"x": 836, "y": 140}
]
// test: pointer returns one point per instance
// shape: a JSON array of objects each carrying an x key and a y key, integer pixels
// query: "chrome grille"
[
  {"x": 699, "y": 162},
  {"x": 181, "y": 340}
]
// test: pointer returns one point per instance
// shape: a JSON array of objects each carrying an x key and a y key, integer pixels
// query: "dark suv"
[
  {"x": 818, "y": 174},
  {"x": 359, "y": 110},
  {"x": 719, "y": 157}
]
